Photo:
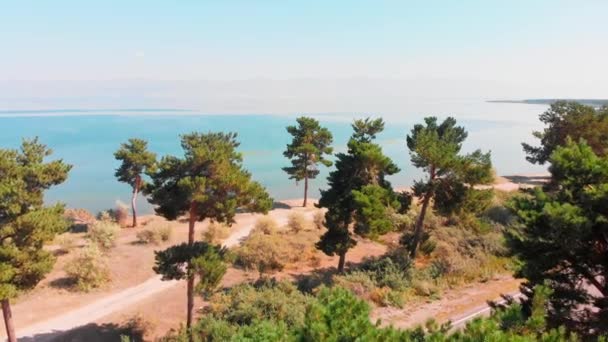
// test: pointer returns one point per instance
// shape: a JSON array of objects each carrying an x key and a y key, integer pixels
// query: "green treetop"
[
  {"x": 435, "y": 148},
  {"x": 136, "y": 160},
  {"x": 25, "y": 223},
  {"x": 209, "y": 182},
  {"x": 563, "y": 237},
  {"x": 363, "y": 165},
  {"x": 569, "y": 119},
  {"x": 307, "y": 149}
]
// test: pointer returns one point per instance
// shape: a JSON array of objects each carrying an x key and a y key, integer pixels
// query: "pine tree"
[
  {"x": 435, "y": 148},
  {"x": 209, "y": 182},
  {"x": 307, "y": 149},
  {"x": 363, "y": 165},
  {"x": 136, "y": 160},
  {"x": 563, "y": 237},
  {"x": 569, "y": 119},
  {"x": 25, "y": 223}
]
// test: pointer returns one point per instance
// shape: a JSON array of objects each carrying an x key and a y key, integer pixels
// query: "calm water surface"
[{"x": 88, "y": 139}]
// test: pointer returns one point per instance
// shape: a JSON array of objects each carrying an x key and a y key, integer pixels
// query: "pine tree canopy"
[
  {"x": 136, "y": 160},
  {"x": 25, "y": 223},
  {"x": 210, "y": 176},
  {"x": 310, "y": 144}
]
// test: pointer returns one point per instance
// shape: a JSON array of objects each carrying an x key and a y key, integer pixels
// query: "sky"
[{"x": 497, "y": 48}]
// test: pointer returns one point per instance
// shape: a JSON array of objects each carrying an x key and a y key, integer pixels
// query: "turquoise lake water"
[{"x": 87, "y": 140}]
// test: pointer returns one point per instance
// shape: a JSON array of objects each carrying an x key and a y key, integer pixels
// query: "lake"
[{"x": 87, "y": 140}]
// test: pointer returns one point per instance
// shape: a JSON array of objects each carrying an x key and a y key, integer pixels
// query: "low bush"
[
  {"x": 121, "y": 214},
  {"x": 104, "y": 234},
  {"x": 66, "y": 242},
  {"x": 215, "y": 233},
  {"x": 268, "y": 300},
  {"x": 265, "y": 225},
  {"x": 263, "y": 253},
  {"x": 154, "y": 235},
  {"x": 88, "y": 269},
  {"x": 297, "y": 222},
  {"x": 382, "y": 280}
]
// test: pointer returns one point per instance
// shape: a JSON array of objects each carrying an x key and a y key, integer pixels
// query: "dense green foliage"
[
  {"x": 209, "y": 181},
  {"x": 307, "y": 149},
  {"x": 563, "y": 236},
  {"x": 569, "y": 119},
  {"x": 277, "y": 312},
  {"x": 451, "y": 177},
  {"x": 135, "y": 161},
  {"x": 364, "y": 164},
  {"x": 25, "y": 223}
]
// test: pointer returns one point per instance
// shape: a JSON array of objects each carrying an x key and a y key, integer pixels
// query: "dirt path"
[
  {"x": 50, "y": 329},
  {"x": 458, "y": 305}
]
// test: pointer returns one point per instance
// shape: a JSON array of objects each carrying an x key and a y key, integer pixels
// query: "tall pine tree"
[
  {"x": 136, "y": 160},
  {"x": 436, "y": 148},
  {"x": 209, "y": 182},
  {"x": 25, "y": 222},
  {"x": 308, "y": 148},
  {"x": 363, "y": 165}
]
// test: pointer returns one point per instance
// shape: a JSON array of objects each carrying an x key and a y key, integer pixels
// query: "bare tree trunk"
[
  {"x": 419, "y": 226},
  {"x": 190, "y": 279},
  {"x": 8, "y": 321},
  {"x": 341, "y": 262},
  {"x": 420, "y": 221},
  {"x": 134, "y": 200},
  {"x": 305, "y": 190}
]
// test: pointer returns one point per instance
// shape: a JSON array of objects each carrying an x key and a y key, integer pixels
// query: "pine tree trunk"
[
  {"x": 341, "y": 262},
  {"x": 305, "y": 190},
  {"x": 419, "y": 226},
  {"x": 190, "y": 279},
  {"x": 133, "y": 207},
  {"x": 420, "y": 221},
  {"x": 8, "y": 321}
]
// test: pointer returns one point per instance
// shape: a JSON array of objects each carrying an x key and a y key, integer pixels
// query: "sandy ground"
[{"x": 53, "y": 307}]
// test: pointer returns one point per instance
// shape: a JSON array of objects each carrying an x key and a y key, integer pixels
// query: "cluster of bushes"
[
  {"x": 154, "y": 235},
  {"x": 216, "y": 233},
  {"x": 278, "y": 312},
  {"x": 383, "y": 280},
  {"x": 118, "y": 214},
  {"x": 269, "y": 248},
  {"x": 88, "y": 269}
]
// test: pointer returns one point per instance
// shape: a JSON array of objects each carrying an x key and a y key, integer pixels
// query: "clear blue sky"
[{"x": 540, "y": 42}]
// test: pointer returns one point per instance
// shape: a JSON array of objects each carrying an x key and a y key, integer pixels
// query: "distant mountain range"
[{"x": 589, "y": 102}]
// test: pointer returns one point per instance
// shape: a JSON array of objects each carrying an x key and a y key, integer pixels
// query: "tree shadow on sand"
[
  {"x": 90, "y": 333},
  {"x": 307, "y": 282}
]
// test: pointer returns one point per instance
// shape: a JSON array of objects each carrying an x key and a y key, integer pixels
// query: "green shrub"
[
  {"x": 266, "y": 225},
  {"x": 297, "y": 222},
  {"x": 264, "y": 253},
  {"x": 154, "y": 235},
  {"x": 88, "y": 269},
  {"x": 146, "y": 236},
  {"x": 275, "y": 301},
  {"x": 215, "y": 233},
  {"x": 164, "y": 233},
  {"x": 319, "y": 219},
  {"x": 104, "y": 234}
]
